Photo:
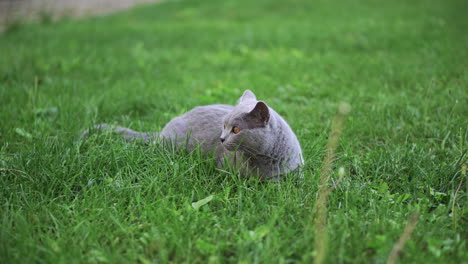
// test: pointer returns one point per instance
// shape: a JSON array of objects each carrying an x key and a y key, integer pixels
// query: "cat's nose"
[{"x": 222, "y": 139}]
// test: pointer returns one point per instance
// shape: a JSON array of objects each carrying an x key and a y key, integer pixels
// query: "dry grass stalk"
[
  {"x": 454, "y": 209},
  {"x": 409, "y": 228},
  {"x": 320, "y": 207}
]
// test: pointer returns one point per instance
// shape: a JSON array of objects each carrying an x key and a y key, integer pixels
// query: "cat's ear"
[
  {"x": 260, "y": 114},
  {"x": 247, "y": 96}
]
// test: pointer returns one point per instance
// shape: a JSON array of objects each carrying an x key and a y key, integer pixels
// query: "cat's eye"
[{"x": 235, "y": 130}]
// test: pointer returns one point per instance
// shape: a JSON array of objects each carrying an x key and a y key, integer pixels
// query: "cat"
[{"x": 250, "y": 136}]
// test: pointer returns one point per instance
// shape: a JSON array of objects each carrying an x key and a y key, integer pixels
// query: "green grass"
[{"x": 403, "y": 66}]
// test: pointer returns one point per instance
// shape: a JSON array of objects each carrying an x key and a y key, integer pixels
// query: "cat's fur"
[{"x": 265, "y": 146}]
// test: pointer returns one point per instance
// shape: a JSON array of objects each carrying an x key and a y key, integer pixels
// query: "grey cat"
[{"x": 250, "y": 136}]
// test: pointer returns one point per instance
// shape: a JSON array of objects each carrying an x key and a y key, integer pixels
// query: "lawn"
[{"x": 402, "y": 66}]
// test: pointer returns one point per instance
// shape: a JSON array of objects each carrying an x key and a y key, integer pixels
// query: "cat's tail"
[{"x": 126, "y": 133}]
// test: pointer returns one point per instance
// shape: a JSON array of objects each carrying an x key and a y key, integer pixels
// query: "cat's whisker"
[
  {"x": 256, "y": 153},
  {"x": 248, "y": 150}
]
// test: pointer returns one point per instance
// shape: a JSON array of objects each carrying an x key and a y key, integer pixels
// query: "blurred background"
[{"x": 13, "y": 10}]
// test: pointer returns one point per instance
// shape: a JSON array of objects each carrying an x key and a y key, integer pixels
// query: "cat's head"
[{"x": 246, "y": 127}]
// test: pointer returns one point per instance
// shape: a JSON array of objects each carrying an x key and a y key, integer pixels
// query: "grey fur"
[{"x": 265, "y": 146}]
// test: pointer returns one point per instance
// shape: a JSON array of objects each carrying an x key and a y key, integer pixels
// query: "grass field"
[{"x": 403, "y": 67}]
